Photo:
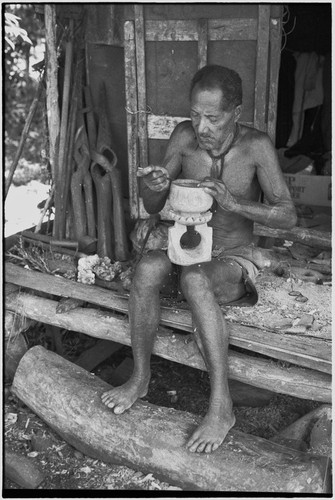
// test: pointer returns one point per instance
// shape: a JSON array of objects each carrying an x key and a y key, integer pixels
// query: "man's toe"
[
  {"x": 201, "y": 447},
  {"x": 119, "y": 409}
]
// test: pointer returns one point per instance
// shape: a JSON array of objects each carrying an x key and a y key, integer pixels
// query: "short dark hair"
[{"x": 225, "y": 79}]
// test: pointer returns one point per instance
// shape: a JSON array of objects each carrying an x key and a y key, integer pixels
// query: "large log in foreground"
[
  {"x": 152, "y": 439},
  {"x": 298, "y": 382}
]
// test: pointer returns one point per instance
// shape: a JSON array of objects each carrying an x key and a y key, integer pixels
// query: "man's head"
[
  {"x": 216, "y": 97},
  {"x": 218, "y": 77}
]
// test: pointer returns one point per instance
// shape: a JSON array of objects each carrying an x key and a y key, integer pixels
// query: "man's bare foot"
[
  {"x": 123, "y": 397},
  {"x": 211, "y": 432}
]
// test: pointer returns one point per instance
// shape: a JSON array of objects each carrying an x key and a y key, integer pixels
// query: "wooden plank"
[
  {"x": 152, "y": 439},
  {"x": 141, "y": 84},
  {"x": 298, "y": 382},
  {"x": 261, "y": 77},
  {"x": 311, "y": 353},
  {"x": 132, "y": 115},
  {"x": 308, "y": 236},
  {"x": 162, "y": 126},
  {"x": 274, "y": 65},
  {"x": 187, "y": 31},
  {"x": 202, "y": 42}
]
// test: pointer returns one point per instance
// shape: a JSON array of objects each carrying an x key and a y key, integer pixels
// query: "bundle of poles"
[{"x": 86, "y": 179}]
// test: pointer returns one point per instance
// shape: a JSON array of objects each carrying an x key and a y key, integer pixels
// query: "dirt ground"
[{"x": 172, "y": 385}]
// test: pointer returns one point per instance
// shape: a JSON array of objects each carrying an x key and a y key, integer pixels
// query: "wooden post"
[
  {"x": 132, "y": 115},
  {"x": 261, "y": 76},
  {"x": 52, "y": 95},
  {"x": 152, "y": 439}
]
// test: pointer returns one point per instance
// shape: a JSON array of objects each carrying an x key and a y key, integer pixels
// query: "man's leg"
[
  {"x": 144, "y": 315},
  {"x": 200, "y": 284}
]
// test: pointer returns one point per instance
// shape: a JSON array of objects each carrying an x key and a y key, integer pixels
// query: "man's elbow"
[{"x": 291, "y": 219}]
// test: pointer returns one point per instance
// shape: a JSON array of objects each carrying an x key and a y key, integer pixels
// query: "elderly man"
[{"x": 234, "y": 164}]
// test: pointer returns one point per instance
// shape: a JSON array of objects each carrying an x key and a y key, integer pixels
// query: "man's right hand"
[{"x": 155, "y": 178}]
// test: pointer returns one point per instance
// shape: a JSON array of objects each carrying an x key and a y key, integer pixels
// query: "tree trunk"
[{"x": 152, "y": 439}]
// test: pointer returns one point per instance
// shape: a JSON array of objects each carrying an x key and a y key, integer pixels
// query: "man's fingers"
[{"x": 142, "y": 172}]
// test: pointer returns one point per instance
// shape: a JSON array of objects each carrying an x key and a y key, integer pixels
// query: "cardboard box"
[{"x": 310, "y": 189}]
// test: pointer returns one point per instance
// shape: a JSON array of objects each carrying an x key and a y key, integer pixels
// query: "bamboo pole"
[
  {"x": 24, "y": 134},
  {"x": 59, "y": 225}
]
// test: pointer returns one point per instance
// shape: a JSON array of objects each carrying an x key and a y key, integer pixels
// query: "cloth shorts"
[{"x": 249, "y": 258}]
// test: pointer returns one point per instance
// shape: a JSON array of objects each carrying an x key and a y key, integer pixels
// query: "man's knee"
[
  {"x": 152, "y": 268},
  {"x": 193, "y": 279}
]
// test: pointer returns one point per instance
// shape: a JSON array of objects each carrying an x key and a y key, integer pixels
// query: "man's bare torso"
[{"x": 238, "y": 174}]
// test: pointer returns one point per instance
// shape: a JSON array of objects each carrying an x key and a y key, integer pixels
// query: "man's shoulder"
[
  {"x": 253, "y": 133},
  {"x": 184, "y": 128}
]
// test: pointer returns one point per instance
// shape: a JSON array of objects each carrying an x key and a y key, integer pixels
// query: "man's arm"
[
  {"x": 156, "y": 185},
  {"x": 278, "y": 211}
]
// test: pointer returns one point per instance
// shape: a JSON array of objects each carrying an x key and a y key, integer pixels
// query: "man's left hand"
[{"x": 220, "y": 192}]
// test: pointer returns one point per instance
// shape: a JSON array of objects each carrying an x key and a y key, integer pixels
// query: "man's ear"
[{"x": 238, "y": 112}]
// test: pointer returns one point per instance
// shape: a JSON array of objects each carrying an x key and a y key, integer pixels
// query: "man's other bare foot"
[
  {"x": 211, "y": 432},
  {"x": 123, "y": 397}
]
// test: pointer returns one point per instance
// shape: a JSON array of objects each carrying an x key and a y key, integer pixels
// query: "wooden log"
[
  {"x": 298, "y": 382},
  {"x": 152, "y": 439},
  {"x": 308, "y": 236},
  {"x": 311, "y": 353},
  {"x": 301, "y": 428},
  {"x": 15, "y": 344},
  {"x": 22, "y": 470},
  {"x": 298, "y": 434}
]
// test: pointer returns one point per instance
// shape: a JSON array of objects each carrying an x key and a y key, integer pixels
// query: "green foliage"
[{"x": 23, "y": 31}]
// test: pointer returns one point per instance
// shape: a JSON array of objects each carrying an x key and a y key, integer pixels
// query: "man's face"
[{"x": 211, "y": 123}]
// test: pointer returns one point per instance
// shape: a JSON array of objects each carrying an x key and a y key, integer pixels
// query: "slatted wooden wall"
[{"x": 161, "y": 57}]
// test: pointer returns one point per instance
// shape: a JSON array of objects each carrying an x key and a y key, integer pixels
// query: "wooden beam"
[
  {"x": 311, "y": 237},
  {"x": 298, "y": 382},
  {"x": 187, "y": 31},
  {"x": 152, "y": 439},
  {"x": 141, "y": 84},
  {"x": 310, "y": 353}
]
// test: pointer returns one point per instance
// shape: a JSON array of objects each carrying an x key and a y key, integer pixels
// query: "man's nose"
[{"x": 203, "y": 126}]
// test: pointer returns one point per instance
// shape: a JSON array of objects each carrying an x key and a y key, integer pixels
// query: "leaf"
[
  {"x": 86, "y": 470},
  {"x": 32, "y": 454},
  {"x": 10, "y": 418}
]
